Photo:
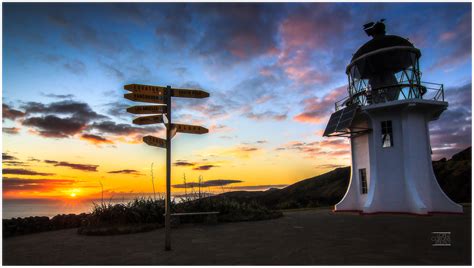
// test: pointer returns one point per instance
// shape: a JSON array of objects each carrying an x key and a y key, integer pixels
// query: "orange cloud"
[
  {"x": 337, "y": 147},
  {"x": 318, "y": 109},
  {"x": 95, "y": 139}
]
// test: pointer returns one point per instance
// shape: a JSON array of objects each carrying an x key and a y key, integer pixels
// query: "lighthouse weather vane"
[{"x": 162, "y": 114}]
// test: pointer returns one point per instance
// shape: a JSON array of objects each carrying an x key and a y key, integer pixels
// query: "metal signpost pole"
[{"x": 168, "y": 172}]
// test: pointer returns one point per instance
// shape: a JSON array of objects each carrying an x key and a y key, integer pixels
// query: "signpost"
[
  {"x": 162, "y": 95},
  {"x": 190, "y": 129},
  {"x": 147, "y": 120},
  {"x": 146, "y": 97},
  {"x": 150, "y": 109},
  {"x": 154, "y": 141},
  {"x": 161, "y": 91}
]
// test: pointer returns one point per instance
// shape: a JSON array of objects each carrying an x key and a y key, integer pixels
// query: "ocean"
[{"x": 43, "y": 207}]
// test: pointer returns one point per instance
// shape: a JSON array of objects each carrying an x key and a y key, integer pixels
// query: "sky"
[{"x": 273, "y": 70}]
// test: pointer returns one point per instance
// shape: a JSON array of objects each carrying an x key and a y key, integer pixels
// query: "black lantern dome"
[
  {"x": 384, "y": 68},
  {"x": 384, "y": 41}
]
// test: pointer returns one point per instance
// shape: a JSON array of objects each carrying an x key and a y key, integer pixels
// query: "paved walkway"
[{"x": 311, "y": 237}]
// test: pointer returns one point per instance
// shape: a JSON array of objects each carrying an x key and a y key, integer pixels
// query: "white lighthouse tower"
[{"x": 386, "y": 117}]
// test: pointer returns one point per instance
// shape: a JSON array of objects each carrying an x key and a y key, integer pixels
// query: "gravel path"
[{"x": 311, "y": 237}]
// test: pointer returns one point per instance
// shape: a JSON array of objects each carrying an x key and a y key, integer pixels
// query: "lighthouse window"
[
  {"x": 387, "y": 136},
  {"x": 363, "y": 180}
]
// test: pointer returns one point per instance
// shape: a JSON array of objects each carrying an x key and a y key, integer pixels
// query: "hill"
[{"x": 454, "y": 177}]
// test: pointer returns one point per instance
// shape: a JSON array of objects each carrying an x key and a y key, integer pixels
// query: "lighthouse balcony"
[{"x": 364, "y": 96}]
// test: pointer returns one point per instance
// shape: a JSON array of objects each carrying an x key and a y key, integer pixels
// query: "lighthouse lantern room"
[{"x": 386, "y": 118}]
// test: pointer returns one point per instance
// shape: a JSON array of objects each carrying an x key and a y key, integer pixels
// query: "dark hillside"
[{"x": 453, "y": 175}]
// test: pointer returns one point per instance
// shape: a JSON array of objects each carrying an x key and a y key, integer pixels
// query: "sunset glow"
[{"x": 273, "y": 72}]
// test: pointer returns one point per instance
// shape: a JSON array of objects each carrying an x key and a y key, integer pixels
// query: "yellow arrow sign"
[
  {"x": 190, "y": 129},
  {"x": 159, "y": 90},
  {"x": 147, "y": 120},
  {"x": 152, "y": 98},
  {"x": 150, "y": 109},
  {"x": 154, "y": 141}
]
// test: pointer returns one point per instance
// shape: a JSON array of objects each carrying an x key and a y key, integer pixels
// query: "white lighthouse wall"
[
  {"x": 387, "y": 190},
  {"x": 402, "y": 175},
  {"x": 354, "y": 199},
  {"x": 399, "y": 178}
]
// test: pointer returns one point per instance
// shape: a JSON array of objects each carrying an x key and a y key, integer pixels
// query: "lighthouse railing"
[
  {"x": 425, "y": 90},
  {"x": 435, "y": 91}
]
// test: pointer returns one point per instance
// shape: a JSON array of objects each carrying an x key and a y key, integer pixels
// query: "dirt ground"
[{"x": 308, "y": 237}]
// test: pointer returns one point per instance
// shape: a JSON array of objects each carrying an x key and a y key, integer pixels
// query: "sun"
[{"x": 73, "y": 192}]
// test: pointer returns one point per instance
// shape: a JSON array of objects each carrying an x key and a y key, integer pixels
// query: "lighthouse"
[{"x": 386, "y": 117}]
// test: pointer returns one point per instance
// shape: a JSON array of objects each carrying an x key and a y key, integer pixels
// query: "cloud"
[
  {"x": 329, "y": 166},
  {"x": 219, "y": 128},
  {"x": 10, "y": 160},
  {"x": 451, "y": 133},
  {"x": 460, "y": 50},
  {"x": 49, "y": 124},
  {"x": 246, "y": 30},
  {"x": 52, "y": 126},
  {"x": 11, "y": 113},
  {"x": 241, "y": 151},
  {"x": 124, "y": 132},
  {"x": 75, "y": 67},
  {"x": 183, "y": 163},
  {"x": 267, "y": 115},
  {"x": 258, "y": 187},
  {"x": 316, "y": 110},
  {"x": 122, "y": 129},
  {"x": 58, "y": 96},
  {"x": 18, "y": 171},
  {"x": 11, "y": 130},
  {"x": 125, "y": 171},
  {"x": 79, "y": 110},
  {"x": 21, "y": 184},
  {"x": 8, "y": 157},
  {"x": 209, "y": 183},
  {"x": 83, "y": 167},
  {"x": 205, "y": 167},
  {"x": 113, "y": 71},
  {"x": 333, "y": 147},
  {"x": 96, "y": 139},
  {"x": 310, "y": 42}
]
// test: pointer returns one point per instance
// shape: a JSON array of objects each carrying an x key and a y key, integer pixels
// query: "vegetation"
[{"x": 28, "y": 225}]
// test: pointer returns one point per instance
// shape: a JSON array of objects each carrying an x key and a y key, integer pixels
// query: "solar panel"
[
  {"x": 341, "y": 120},
  {"x": 333, "y": 122}
]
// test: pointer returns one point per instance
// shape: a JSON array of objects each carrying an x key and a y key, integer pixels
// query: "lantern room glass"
[{"x": 384, "y": 76}]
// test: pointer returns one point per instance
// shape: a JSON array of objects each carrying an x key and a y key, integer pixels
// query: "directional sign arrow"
[
  {"x": 150, "y": 109},
  {"x": 147, "y": 120},
  {"x": 160, "y": 90},
  {"x": 154, "y": 141},
  {"x": 190, "y": 129},
  {"x": 146, "y": 89},
  {"x": 152, "y": 98},
  {"x": 189, "y": 93}
]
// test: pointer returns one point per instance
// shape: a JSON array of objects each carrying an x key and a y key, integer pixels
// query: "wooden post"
[{"x": 168, "y": 172}]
